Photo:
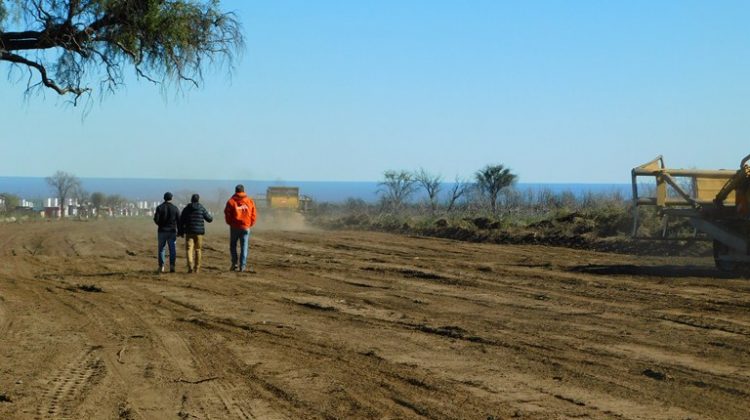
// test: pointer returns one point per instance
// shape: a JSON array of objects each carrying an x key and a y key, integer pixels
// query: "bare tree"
[
  {"x": 70, "y": 42},
  {"x": 64, "y": 185},
  {"x": 456, "y": 191},
  {"x": 115, "y": 202},
  {"x": 396, "y": 188},
  {"x": 82, "y": 197},
  {"x": 182, "y": 197},
  {"x": 491, "y": 180},
  {"x": 432, "y": 184}
]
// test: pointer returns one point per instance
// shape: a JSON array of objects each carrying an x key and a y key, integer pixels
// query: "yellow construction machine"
[{"x": 716, "y": 202}]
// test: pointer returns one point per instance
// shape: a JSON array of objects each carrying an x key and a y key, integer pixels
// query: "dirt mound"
[{"x": 599, "y": 231}]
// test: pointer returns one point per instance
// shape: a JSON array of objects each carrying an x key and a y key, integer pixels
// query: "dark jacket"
[
  {"x": 192, "y": 219},
  {"x": 167, "y": 217}
]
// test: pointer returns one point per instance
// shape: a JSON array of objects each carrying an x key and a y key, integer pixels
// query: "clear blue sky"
[{"x": 559, "y": 91}]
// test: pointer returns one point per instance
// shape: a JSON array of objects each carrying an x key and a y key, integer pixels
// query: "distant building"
[
  {"x": 145, "y": 208},
  {"x": 24, "y": 207},
  {"x": 71, "y": 207},
  {"x": 51, "y": 208}
]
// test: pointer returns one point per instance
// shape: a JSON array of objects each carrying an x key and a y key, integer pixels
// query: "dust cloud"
[{"x": 289, "y": 221}]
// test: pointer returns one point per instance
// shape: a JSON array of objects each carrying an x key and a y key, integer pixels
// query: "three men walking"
[{"x": 239, "y": 213}]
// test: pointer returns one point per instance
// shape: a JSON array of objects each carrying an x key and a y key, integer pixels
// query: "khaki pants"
[{"x": 193, "y": 243}]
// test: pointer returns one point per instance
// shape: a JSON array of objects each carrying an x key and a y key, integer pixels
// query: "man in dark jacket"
[
  {"x": 167, "y": 217},
  {"x": 191, "y": 224}
]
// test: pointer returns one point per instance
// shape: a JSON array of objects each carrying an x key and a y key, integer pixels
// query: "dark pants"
[{"x": 167, "y": 238}]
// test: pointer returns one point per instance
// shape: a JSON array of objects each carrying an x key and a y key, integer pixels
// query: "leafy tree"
[
  {"x": 10, "y": 202},
  {"x": 64, "y": 185},
  {"x": 396, "y": 188},
  {"x": 97, "y": 201},
  {"x": 115, "y": 200},
  {"x": 432, "y": 184},
  {"x": 67, "y": 43},
  {"x": 491, "y": 180}
]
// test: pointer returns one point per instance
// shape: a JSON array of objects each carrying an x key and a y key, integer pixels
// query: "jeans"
[
  {"x": 243, "y": 236},
  {"x": 167, "y": 238}
]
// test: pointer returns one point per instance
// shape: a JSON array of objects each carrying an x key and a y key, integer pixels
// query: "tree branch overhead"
[{"x": 69, "y": 43}]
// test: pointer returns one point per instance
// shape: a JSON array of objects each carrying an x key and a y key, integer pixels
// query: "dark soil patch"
[
  {"x": 673, "y": 271},
  {"x": 316, "y": 306},
  {"x": 411, "y": 273},
  {"x": 659, "y": 376},
  {"x": 91, "y": 288}
]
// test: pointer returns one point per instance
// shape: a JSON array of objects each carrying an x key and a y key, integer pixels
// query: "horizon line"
[{"x": 292, "y": 180}]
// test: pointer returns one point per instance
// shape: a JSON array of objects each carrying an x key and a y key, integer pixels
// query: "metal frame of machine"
[{"x": 714, "y": 201}]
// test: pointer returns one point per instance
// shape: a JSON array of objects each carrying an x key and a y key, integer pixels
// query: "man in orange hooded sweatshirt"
[{"x": 240, "y": 215}]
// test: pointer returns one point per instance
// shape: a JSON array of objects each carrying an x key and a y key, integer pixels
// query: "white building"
[{"x": 71, "y": 207}]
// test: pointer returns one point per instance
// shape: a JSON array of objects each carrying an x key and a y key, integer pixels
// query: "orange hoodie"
[{"x": 240, "y": 211}]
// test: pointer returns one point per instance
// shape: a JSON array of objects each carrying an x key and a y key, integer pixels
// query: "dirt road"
[{"x": 361, "y": 325}]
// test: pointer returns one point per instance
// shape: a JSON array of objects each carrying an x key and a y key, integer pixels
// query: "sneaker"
[
  {"x": 160, "y": 270},
  {"x": 171, "y": 269},
  {"x": 234, "y": 268}
]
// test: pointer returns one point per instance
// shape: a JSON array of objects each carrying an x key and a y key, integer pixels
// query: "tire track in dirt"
[
  {"x": 169, "y": 347},
  {"x": 69, "y": 386},
  {"x": 101, "y": 326},
  {"x": 321, "y": 354},
  {"x": 313, "y": 349},
  {"x": 218, "y": 398}
]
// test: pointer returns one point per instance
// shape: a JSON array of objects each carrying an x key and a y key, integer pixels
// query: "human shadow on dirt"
[{"x": 673, "y": 271}]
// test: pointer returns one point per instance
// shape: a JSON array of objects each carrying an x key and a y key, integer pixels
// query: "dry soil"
[{"x": 361, "y": 325}]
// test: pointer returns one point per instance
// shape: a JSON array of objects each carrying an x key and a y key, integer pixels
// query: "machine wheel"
[{"x": 721, "y": 250}]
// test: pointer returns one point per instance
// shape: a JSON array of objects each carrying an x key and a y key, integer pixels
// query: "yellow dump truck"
[
  {"x": 287, "y": 198},
  {"x": 282, "y": 198},
  {"x": 716, "y": 202}
]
